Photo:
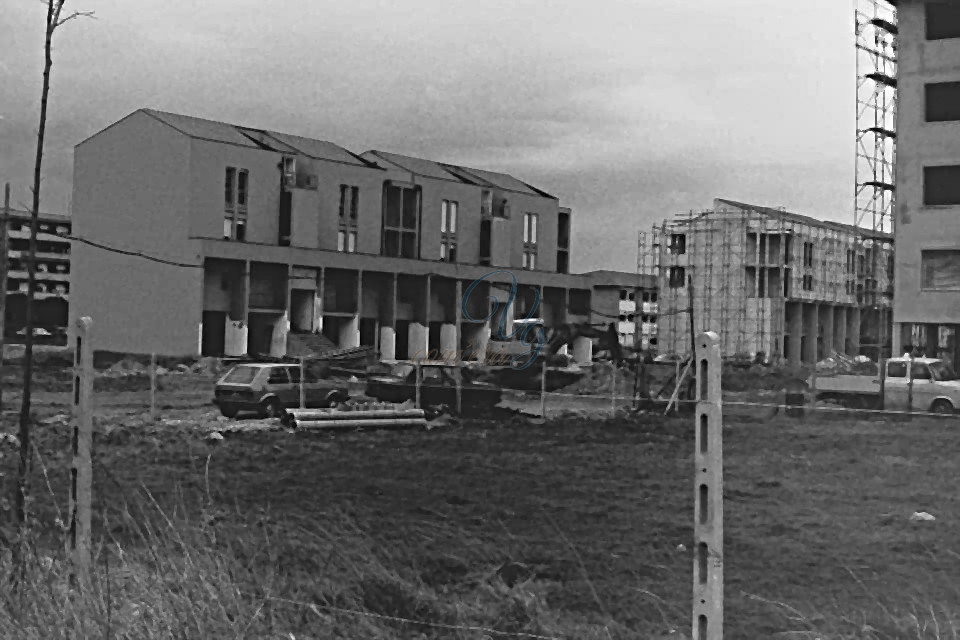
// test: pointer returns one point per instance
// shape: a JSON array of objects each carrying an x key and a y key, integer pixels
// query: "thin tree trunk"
[{"x": 53, "y": 11}]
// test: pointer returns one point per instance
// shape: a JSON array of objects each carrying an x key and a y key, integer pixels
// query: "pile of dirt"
[
  {"x": 208, "y": 366},
  {"x": 125, "y": 367},
  {"x": 598, "y": 380}
]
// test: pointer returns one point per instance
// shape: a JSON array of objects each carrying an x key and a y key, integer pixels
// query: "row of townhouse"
[{"x": 260, "y": 242}]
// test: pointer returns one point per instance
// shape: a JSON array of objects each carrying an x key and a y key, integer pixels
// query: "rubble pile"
[
  {"x": 839, "y": 364},
  {"x": 598, "y": 380}
]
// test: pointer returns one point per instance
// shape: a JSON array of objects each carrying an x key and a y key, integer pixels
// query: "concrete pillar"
[
  {"x": 897, "y": 339},
  {"x": 388, "y": 343},
  {"x": 458, "y": 327},
  {"x": 278, "y": 340},
  {"x": 418, "y": 341},
  {"x": 827, "y": 317},
  {"x": 583, "y": 350},
  {"x": 350, "y": 333},
  {"x": 840, "y": 328},
  {"x": 853, "y": 331},
  {"x": 318, "y": 303},
  {"x": 235, "y": 338},
  {"x": 794, "y": 311},
  {"x": 476, "y": 337},
  {"x": 810, "y": 332},
  {"x": 245, "y": 316},
  {"x": 449, "y": 346}
]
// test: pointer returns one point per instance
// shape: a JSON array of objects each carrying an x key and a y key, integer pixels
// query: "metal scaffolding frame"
[
  {"x": 875, "y": 191},
  {"x": 749, "y": 267},
  {"x": 876, "y": 64}
]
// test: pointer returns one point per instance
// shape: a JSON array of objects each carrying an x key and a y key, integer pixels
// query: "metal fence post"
[
  {"x": 81, "y": 468},
  {"x": 911, "y": 364},
  {"x": 613, "y": 391},
  {"x": 543, "y": 389},
  {"x": 708, "y": 500},
  {"x": 459, "y": 382},
  {"x": 416, "y": 369},
  {"x": 303, "y": 371}
]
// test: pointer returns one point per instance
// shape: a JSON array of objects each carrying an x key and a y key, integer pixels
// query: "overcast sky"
[{"x": 628, "y": 110}]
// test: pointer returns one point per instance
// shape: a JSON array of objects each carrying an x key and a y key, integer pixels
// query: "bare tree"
[{"x": 55, "y": 19}]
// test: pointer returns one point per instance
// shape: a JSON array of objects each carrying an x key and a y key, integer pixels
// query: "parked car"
[
  {"x": 268, "y": 389},
  {"x": 438, "y": 386}
]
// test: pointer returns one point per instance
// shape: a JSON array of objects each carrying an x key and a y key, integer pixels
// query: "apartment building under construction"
[{"x": 770, "y": 282}]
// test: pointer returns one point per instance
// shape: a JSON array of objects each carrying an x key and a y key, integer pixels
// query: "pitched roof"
[
  {"x": 446, "y": 171},
  {"x": 55, "y": 218},
  {"x": 215, "y": 131},
  {"x": 809, "y": 220}
]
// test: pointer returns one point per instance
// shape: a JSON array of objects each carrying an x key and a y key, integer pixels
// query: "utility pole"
[{"x": 4, "y": 265}]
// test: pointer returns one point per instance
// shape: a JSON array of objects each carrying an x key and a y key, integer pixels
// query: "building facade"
[
  {"x": 769, "y": 282},
  {"x": 927, "y": 306},
  {"x": 52, "y": 282},
  {"x": 267, "y": 243},
  {"x": 629, "y": 300}
]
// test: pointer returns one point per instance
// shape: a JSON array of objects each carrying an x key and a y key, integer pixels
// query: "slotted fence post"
[
  {"x": 708, "y": 500},
  {"x": 81, "y": 468}
]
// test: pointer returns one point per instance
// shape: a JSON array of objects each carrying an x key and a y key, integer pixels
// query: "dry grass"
[{"x": 272, "y": 534}]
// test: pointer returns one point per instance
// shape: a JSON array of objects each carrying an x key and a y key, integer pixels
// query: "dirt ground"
[{"x": 818, "y": 535}]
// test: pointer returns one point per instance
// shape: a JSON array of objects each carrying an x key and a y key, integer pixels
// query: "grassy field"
[{"x": 571, "y": 529}]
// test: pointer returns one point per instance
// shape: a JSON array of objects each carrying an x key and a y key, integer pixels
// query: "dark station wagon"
[
  {"x": 438, "y": 386},
  {"x": 268, "y": 389}
]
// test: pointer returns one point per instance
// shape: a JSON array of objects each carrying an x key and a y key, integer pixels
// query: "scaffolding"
[
  {"x": 874, "y": 195},
  {"x": 876, "y": 65},
  {"x": 769, "y": 278}
]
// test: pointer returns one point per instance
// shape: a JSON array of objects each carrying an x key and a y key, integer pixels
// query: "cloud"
[{"x": 630, "y": 112}]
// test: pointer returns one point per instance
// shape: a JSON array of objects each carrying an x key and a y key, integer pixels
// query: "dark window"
[
  {"x": 242, "y": 179},
  {"x": 943, "y": 20},
  {"x": 897, "y": 370},
  {"x": 920, "y": 371},
  {"x": 941, "y": 185},
  {"x": 294, "y": 374},
  {"x": 343, "y": 200},
  {"x": 563, "y": 262},
  {"x": 354, "y": 201},
  {"x": 286, "y": 209},
  {"x": 678, "y": 244},
  {"x": 231, "y": 175},
  {"x": 241, "y": 375},
  {"x": 808, "y": 254},
  {"x": 942, "y": 101},
  {"x": 563, "y": 230},
  {"x": 278, "y": 375},
  {"x": 678, "y": 277},
  {"x": 940, "y": 269},
  {"x": 486, "y": 229},
  {"x": 401, "y": 221}
]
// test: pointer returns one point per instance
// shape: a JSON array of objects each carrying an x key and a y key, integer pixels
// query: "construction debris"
[
  {"x": 839, "y": 364},
  {"x": 351, "y": 416}
]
